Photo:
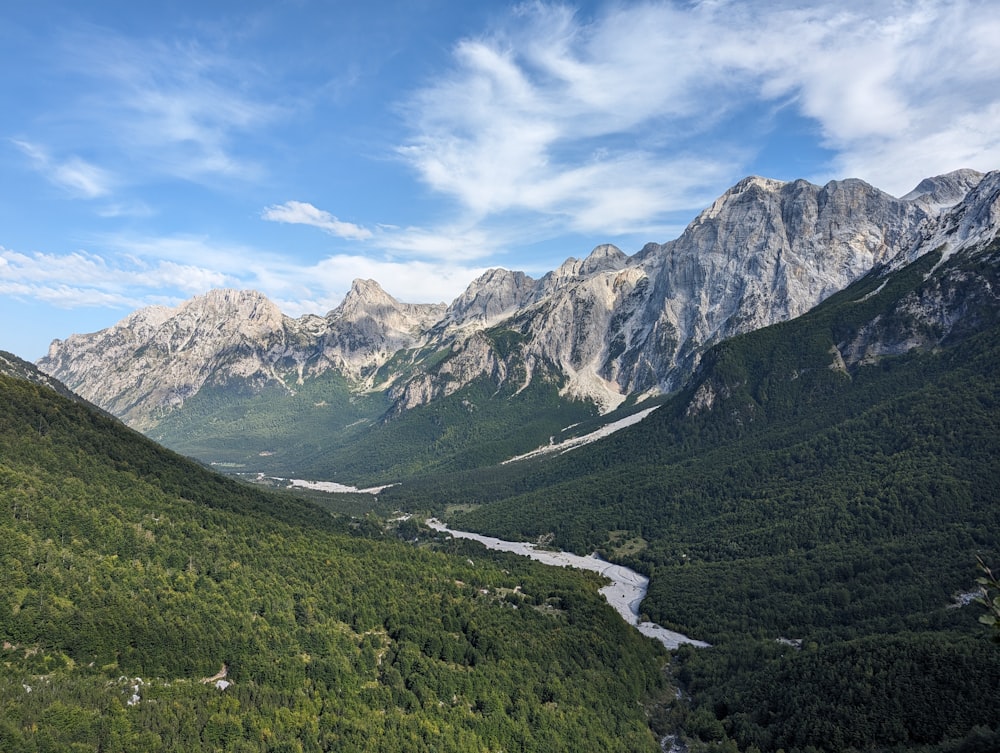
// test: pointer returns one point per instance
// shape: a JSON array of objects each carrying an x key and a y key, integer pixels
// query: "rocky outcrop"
[
  {"x": 493, "y": 296},
  {"x": 369, "y": 327},
  {"x": 944, "y": 191},
  {"x": 961, "y": 295}
]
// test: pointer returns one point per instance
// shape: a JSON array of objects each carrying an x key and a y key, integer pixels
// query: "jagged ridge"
[{"x": 603, "y": 328}]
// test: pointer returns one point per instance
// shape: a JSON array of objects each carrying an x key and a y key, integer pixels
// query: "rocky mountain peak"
[
  {"x": 364, "y": 298},
  {"x": 369, "y": 326},
  {"x": 973, "y": 221},
  {"x": 946, "y": 190},
  {"x": 243, "y": 313},
  {"x": 751, "y": 182},
  {"x": 367, "y": 306},
  {"x": 157, "y": 357},
  {"x": 494, "y": 294},
  {"x": 604, "y": 258},
  {"x": 751, "y": 190}
]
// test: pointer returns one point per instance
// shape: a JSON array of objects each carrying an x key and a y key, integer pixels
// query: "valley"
[
  {"x": 134, "y": 573},
  {"x": 778, "y": 432}
]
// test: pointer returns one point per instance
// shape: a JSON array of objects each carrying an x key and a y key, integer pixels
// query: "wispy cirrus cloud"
[
  {"x": 128, "y": 277},
  {"x": 453, "y": 240},
  {"x": 73, "y": 174},
  {"x": 304, "y": 213},
  {"x": 899, "y": 90},
  {"x": 610, "y": 121},
  {"x": 174, "y": 107}
]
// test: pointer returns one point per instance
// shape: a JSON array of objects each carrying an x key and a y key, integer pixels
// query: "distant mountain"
[
  {"x": 156, "y": 358},
  {"x": 596, "y": 332}
]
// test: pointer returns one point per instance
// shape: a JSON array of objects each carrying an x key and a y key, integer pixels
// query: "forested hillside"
[
  {"x": 136, "y": 581},
  {"x": 325, "y": 431},
  {"x": 796, "y": 491}
]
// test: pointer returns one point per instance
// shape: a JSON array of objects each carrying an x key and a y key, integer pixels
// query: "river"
[{"x": 625, "y": 592}]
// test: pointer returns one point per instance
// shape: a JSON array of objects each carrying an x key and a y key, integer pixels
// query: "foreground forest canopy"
[{"x": 135, "y": 581}]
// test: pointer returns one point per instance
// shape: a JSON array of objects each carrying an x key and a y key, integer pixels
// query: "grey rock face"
[
  {"x": 369, "y": 326},
  {"x": 603, "y": 327},
  {"x": 944, "y": 191},
  {"x": 493, "y": 296},
  {"x": 156, "y": 358},
  {"x": 959, "y": 297},
  {"x": 763, "y": 252}
]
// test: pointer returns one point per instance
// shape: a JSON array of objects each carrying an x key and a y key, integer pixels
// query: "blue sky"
[{"x": 152, "y": 151}]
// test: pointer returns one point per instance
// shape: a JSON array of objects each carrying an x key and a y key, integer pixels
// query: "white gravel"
[{"x": 625, "y": 592}]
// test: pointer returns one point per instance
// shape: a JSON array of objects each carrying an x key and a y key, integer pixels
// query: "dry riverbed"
[{"x": 625, "y": 592}]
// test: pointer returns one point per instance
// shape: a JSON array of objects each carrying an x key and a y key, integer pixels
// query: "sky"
[{"x": 152, "y": 151}]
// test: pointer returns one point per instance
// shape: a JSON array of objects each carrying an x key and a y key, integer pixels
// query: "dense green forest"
[
  {"x": 324, "y": 429},
  {"x": 134, "y": 578},
  {"x": 838, "y": 509}
]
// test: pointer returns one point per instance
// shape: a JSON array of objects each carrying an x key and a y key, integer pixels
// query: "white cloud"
[
  {"x": 102, "y": 277},
  {"x": 595, "y": 120},
  {"x": 445, "y": 243},
  {"x": 303, "y": 213},
  {"x": 140, "y": 271},
  {"x": 175, "y": 108},
  {"x": 77, "y": 176},
  {"x": 566, "y": 118},
  {"x": 70, "y": 297},
  {"x": 409, "y": 281},
  {"x": 900, "y": 90}
]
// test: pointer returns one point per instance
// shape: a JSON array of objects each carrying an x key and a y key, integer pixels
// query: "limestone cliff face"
[
  {"x": 158, "y": 357},
  {"x": 611, "y": 325},
  {"x": 959, "y": 297},
  {"x": 492, "y": 297},
  {"x": 951, "y": 294},
  {"x": 603, "y": 327},
  {"x": 944, "y": 191},
  {"x": 764, "y": 252},
  {"x": 369, "y": 327}
]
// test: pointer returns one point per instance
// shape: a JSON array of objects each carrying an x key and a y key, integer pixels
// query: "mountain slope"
[
  {"x": 812, "y": 502},
  {"x": 598, "y": 331},
  {"x": 131, "y": 576},
  {"x": 891, "y": 381}
]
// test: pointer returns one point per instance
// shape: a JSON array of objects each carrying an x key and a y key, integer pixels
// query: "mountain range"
[
  {"x": 596, "y": 332},
  {"x": 817, "y": 374}
]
